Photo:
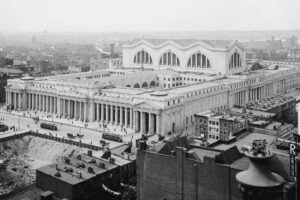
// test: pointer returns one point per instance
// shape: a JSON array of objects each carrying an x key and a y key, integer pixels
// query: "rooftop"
[
  {"x": 185, "y": 42},
  {"x": 74, "y": 177}
]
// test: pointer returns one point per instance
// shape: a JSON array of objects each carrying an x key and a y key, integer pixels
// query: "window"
[
  {"x": 142, "y": 57},
  {"x": 198, "y": 60},
  {"x": 169, "y": 59},
  {"x": 235, "y": 61}
]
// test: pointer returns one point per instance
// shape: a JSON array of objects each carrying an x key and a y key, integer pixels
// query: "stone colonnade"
[{"x": 147, "y": 122}]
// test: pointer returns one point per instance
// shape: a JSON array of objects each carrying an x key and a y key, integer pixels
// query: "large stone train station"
[{"x": 160, "y": 87}]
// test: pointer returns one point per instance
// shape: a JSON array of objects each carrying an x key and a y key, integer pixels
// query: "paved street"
[{"x": 91, "y": 136}]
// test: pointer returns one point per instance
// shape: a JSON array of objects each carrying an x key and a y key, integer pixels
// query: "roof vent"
[
  {"x": 111, "y": 160},
  {"x": 91, "y": 170},
  {"x": 102, "y": 165}
]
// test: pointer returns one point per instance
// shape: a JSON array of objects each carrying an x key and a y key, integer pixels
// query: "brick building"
[
  {"x": 219, "y": 125},
  {"x": 81, "y": 178},
  {"x": 176, "y": 171}
]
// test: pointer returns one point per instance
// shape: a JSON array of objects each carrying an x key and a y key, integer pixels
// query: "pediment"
[{"x": 146, "y": 105}]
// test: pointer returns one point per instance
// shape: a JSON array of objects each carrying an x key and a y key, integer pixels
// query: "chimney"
[
  {"x": 102, "y": 165},
  {"x": 143, "y": 145},
  {"x": 79, "y": 175},
  {"x": 91, "y": 170},
  {"x": 111, "y": 160}
]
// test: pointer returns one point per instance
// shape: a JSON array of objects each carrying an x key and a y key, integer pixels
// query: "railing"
[
  {"x": 50, "y": 137},
  {"x": 17, "y": 191}
]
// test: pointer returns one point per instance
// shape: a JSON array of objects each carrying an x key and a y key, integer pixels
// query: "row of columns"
[
  {"x": 113, "y": 114},
  {"x": 14, "y": 99},
  {"x": 256, "y": 94},
  {"x": 65, "y": 108},
  {"x": 240, "y": 98},
  {"x": 144, "y": 122}
]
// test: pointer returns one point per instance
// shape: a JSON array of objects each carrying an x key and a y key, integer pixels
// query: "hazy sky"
[{"x": 148, "y": 15}]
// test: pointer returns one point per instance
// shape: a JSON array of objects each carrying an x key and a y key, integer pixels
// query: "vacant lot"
[{"x": 26, "y": 154}]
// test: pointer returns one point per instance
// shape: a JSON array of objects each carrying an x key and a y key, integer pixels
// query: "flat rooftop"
[
  {"x": 246, "y": 141},
  {"x": 73, "y": 177}
]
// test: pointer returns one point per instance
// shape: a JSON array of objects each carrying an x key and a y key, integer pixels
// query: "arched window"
[
  {"x": 144, "y": 85},
  {"x": 152, "y": 84},
  {"x": 136, "y": 85},
  {"x": 169, "y": 59},
  {"x": 142, "y": 57},
  {"x": 198, "y": 60},
  {"x": 235, "y": 61}
]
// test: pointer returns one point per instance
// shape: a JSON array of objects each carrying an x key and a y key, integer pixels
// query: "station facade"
[{"x": 160, "y": 87}]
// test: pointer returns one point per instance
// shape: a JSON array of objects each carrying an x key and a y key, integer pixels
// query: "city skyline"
[{"x": 106, "y": 16}]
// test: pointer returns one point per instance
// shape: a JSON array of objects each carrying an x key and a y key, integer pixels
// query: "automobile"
[
  {"x": 70, "y": 135},
  {"x": 92, "y": 161},
  {"x": 80, "y": 165}
]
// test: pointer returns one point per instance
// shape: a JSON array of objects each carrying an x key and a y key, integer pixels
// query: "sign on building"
[{"x": 292, "y": 159}]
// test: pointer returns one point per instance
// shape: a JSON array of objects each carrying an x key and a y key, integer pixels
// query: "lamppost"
[{"x": 258, "y": 182}]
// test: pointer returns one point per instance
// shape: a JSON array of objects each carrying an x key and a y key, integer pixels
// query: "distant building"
[
  {"x": 283, "y": 107},
  {"x": 42, "y": 67},
  {"x": 6, "y": 74},
  {"x": 106, "y": 63},
  {"x": 112, "y": 50},
  {"x": 221, "y": 125},
  {"x": 79, "y": 68}
]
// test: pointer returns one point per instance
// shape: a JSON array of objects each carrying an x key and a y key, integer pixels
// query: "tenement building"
[{"x": 159, "y": 88}]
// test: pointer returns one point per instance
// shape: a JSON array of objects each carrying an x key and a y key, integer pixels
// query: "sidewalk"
[{"x": 95, "y": 126}]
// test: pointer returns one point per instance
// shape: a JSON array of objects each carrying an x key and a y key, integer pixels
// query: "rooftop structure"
[{"x": 188, "y": 167}]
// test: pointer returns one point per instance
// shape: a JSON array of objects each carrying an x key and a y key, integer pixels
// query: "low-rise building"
[{"x": 219, "y": 125}]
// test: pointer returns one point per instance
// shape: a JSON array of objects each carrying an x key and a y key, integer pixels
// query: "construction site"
[{"x": 21, "y": 157}]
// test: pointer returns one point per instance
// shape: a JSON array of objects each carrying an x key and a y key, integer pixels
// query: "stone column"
[
  {"x": 80, "y": 111},
  {"x": 136, "y": 121},
  {"x": 75, "y": 110},
  {"x": 112, "y": 114},
  {"x": 131, "y": 119},
  {"x": 151, "y": 127},
  {"x": 47, "y": 102},
  {"x": 64, "y": 107},
  {"x": 142, "y": 122},
  {"x": 29, "y": 101},
  {"x": 69, "y": 108},
  {"x": 102, "y": 112},
  {"x": 158, "y": 124},
  {"x": 106, "y": 113},
  {"x": 20, "y": 101},
  {"x": 51, "y": 104},
  {"x": 121, "y": 115},
  {"x": 97, "y": 111},
  {"x": 116, "y": 115},
  {"x": 85, "y": 111},
  {"x": 126, "y": 117},
  {"x": 44, "y": 103}
]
